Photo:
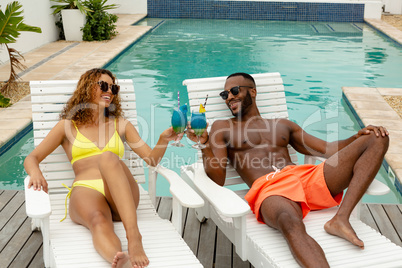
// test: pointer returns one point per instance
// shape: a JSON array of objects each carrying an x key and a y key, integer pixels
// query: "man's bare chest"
[{"x": 257, "y": 135}]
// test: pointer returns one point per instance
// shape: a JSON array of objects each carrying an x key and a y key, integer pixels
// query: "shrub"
[{"x": 100, "y": 25}]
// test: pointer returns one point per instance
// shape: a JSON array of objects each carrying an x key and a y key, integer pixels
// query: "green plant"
[
  {"x": 100, "y": 25},
  {"x": 69, "y": 4},
  {"x": 4, "y": 102},
  {"x": 59, "y": 25},
  {"x": 11, "y": 24}
]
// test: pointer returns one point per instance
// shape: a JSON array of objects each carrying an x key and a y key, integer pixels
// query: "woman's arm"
[
  {"x": 47, "y": 146},
  {"x": 150, "y": 156}
]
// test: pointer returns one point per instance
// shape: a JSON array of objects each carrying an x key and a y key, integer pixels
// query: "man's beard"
[{"x": 244, "y": 105}]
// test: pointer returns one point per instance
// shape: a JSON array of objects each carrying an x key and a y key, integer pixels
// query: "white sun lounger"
[
  {"x": 66, "y": 244},
  {"x": 261, "y": 245}
]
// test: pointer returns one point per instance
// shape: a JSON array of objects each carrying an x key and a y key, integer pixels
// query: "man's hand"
[
  {"x": 191, "y": 135},
  {"x": 378, "y": 131}
]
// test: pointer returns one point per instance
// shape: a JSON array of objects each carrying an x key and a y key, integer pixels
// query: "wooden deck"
[{"x": 19, "y": 247}]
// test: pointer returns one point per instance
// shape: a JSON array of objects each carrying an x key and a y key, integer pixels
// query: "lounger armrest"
[
  {"x": 179, "y": 189},
  {"x": 376, "y": 187},
  {"x": 37, "y": 203},
  {"x": 226, "y": 202}
]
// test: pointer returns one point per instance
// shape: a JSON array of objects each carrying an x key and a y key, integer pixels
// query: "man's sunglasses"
[
  {"x": 234, "y": 90},
  {"x": 104, "y": 86}
]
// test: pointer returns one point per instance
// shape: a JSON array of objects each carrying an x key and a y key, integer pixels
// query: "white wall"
[
  {"x": 36, "y": 13},
  {"x": 129, "y": 6},
  {"x": 393, "y": 6}
]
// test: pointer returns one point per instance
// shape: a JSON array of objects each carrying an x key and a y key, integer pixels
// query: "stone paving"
[{"x": 372, "y": 109}]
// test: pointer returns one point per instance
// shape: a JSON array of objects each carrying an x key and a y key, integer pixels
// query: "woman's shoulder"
[
  {"x": 61, "y": 127},
  {"x": 65, "y": 122},
  {"x": 121, "y": 124}
]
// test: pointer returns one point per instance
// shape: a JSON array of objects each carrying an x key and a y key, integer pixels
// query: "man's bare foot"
[
  {"x": 343, "y": 229},
  {"x": 121, "y": 260},
  {"x": 137, "y": 254}
]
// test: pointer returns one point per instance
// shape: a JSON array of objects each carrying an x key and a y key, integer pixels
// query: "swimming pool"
[
  {"x": 315, "y": 59},
  {"x": 12, "y": 163}
]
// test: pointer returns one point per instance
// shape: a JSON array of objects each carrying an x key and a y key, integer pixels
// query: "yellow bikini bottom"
[{"x": 97, "y": 185}]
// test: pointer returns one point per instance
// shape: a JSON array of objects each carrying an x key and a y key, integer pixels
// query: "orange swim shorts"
[{"x": 304, "y": 184}]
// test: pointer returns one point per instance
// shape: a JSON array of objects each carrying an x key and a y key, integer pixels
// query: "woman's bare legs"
[
  {"x": 123, "y": 197},
  {"x": 90, "y": 208}
]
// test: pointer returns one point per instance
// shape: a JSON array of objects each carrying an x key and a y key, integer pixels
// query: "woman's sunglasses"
[
  {"x": 234, "y": 90},
  {"x": 104, "y": 86}
]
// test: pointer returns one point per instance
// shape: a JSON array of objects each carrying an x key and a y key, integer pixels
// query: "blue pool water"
[
  {"x": 12, "y": 171},
  {"x": 315, "y": 60}
]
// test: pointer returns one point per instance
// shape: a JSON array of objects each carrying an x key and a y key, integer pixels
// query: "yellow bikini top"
[{"x": 83, "y": 147}]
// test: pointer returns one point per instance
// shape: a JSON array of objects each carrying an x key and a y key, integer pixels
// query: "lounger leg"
[
  {"x": 240, "y": 237},
  {"x": 46, "y": 241},
  {"x": 152, "y": 176},
  {"x": 177, "y": 216},
  {"x": 35, "y": 225}
]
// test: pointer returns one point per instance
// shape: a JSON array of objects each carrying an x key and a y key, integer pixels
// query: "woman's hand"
[
  {"x": 191, "y": 135},
  {"x": 38, "y": 183},
  {"x": 169, "y": 135},
  {"x": 378, "y": 131}
]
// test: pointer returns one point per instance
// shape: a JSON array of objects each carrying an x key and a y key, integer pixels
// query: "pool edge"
[
  {"x": 13, "y": 140},
  {"x": 392, "y": 171}
]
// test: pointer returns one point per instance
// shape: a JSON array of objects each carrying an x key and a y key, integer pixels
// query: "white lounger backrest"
[
  {"x": 48, "y": 99},
  {"x": 271, "y": 102}
]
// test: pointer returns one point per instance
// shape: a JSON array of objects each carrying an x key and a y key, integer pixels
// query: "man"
[{"x": 281, "y": 193}]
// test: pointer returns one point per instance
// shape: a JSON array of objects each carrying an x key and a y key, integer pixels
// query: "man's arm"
[
  {"x": 309, "y": 145},
  {"x": 214, "y": 155}
]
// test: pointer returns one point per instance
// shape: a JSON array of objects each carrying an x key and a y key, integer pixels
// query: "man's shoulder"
[
  {"x": 220, "y": 124},
  {"x": 284, "y": 121}
]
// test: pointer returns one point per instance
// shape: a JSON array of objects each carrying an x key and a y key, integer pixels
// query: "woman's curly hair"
[{"x": 80, "y": 106}]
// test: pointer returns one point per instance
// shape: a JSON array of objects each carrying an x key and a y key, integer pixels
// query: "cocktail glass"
[
  {"x": 179, "y": 122},
  {"x": 198, "y": 124}
]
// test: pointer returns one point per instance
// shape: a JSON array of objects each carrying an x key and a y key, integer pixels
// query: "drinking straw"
[
  {"x": 178, "y": 98},
  {"x": 205, "y": 103}
]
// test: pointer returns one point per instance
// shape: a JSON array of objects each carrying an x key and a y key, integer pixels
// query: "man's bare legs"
[
  {"x": 287, "y": 217},
  {"x": 354, "y": 167}
]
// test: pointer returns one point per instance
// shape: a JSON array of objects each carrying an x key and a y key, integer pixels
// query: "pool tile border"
[{"x": 256, "y": 10}]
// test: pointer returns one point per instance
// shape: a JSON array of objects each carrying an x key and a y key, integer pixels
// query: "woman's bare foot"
[
  {"x": 121, "y": 260},
  {"x": 343, "y": 229},
  {"x": 137, "y": 254}
]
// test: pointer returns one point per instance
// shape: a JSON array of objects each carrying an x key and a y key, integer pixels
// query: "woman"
[{"x": 91, "y": 131}]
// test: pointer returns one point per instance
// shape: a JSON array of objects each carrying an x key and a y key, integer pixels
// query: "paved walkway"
[{"x": 63, "y": 60}]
